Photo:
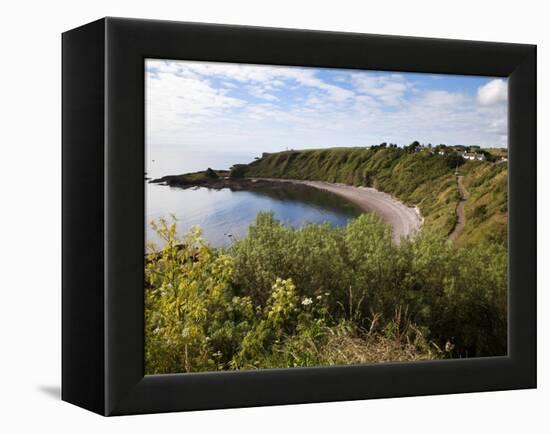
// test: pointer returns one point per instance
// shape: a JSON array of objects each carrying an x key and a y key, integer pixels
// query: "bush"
[
  {"x": 320, "y": 295},
  {"x": 454, "y": 160},
  {"x": 237, "y": 171}
]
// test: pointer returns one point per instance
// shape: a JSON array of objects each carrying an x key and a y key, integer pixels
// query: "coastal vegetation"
[
  {"x": 322, "y": 295},
  {"x": 319, "y": 295}
]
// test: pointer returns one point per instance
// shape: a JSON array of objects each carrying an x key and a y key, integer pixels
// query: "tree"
[
  {"x": 237, "y": 171},
  {"x": 454, "y": 160},
  {"x": 488, "y": 156},
  {"x": 413, "y": 146}
]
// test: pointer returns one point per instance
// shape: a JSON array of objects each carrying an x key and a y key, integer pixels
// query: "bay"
[{"x": 225, "y": 215}]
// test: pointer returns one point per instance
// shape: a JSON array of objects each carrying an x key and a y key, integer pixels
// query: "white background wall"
[{"x": 30, "y": 162}]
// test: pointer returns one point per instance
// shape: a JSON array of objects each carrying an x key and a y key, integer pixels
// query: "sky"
[{"x": 213, "y": 106}]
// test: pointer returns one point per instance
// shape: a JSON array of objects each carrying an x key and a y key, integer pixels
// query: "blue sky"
[{"x": 256, "y": 108}]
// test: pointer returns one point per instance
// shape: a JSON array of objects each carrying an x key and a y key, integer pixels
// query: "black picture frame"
[{"x": 103, "y": 216}]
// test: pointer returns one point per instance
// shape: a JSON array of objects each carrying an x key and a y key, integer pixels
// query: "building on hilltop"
[{"x": 473, "y": 156}]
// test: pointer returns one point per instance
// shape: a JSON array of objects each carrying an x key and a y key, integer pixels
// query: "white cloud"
[
  {"x": 389, "y": 89},
  {"x": 442, "y": 98},
  {"x": 494, "y": 92},
  {"x": 175, "y": 101},
  {"x": 268, "y": 76},
  {"x": 334, "y": 93},
  {"x": 261, "y": 93},
  {"x": 268, "y": 108}
]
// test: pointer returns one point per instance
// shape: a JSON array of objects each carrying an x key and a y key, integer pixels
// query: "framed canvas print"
[{"x": 257, "y": 216}]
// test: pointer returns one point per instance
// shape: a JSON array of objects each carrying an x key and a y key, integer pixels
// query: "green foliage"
[
  {"x": 413, "y": 146},
  {"x": 320, "y": 295},
  {"x": 237, "y": 171},
  {"x": 189, "y": 305},
  {"x": 454, "y": 160},
  {"x": 278, "y": 318},
  {"x": 487, "y": 205}
]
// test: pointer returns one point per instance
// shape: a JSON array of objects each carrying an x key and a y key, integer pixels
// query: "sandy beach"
[{"x": 404, "y": 220}]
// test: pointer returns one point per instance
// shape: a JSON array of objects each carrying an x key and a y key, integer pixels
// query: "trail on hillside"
[{"x": 460, "y": 216}]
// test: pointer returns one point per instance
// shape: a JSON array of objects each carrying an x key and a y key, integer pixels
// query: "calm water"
[{"x": 225, "y": 215}]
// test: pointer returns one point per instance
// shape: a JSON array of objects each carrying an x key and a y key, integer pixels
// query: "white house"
[{"x": 473, "y": 156}]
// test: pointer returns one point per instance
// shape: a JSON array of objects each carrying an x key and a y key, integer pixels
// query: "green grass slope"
[{"x": 487, "y": 206}]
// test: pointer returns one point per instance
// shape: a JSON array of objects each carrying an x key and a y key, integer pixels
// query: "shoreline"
[{"x": 404, "y": 220}]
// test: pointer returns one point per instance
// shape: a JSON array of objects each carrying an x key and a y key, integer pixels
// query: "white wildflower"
[{"x": 307, "y": 301}]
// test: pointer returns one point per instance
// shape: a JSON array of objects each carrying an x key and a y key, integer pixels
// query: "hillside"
[
  {"x": 425, "y": 179},
  {"x": 487, "y": 206}
]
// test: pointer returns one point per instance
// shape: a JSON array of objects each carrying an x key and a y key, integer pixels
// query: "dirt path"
[
  {"x": 404, "y": 220},
  {"x": 460, "y": 216}
]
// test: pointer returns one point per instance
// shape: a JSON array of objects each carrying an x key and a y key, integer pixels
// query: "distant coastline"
[{"x": 409, "y": 188}]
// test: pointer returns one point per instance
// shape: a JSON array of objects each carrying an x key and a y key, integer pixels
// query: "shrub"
[
  {"x": 319, "y": 295},
  {"x": 237, "y": 171}
]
